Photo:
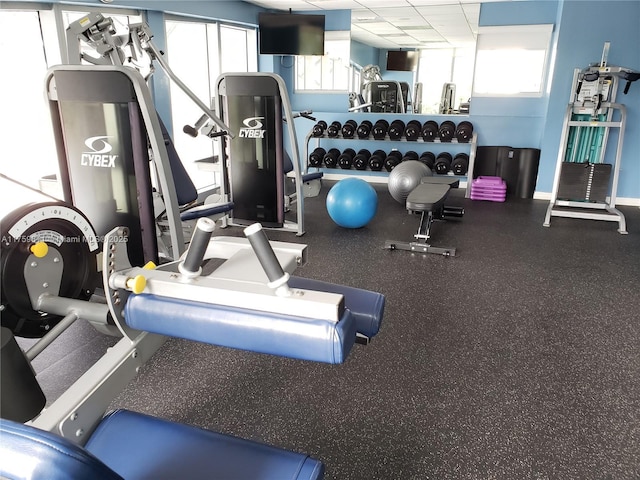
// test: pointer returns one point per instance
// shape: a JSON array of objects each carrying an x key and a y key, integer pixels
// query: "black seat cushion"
[{"x": 427, "y": 197}]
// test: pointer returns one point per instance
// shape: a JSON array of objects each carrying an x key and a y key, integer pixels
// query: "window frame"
[
  {"x": 514, "y": 38},
  {"x": 192, "y": 155}
]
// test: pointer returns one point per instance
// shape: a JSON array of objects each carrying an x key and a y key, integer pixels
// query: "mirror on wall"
[{"x": 425, "y": 58}]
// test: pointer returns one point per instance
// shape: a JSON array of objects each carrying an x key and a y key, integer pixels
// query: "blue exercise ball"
[{"x": 352, "y": 203}]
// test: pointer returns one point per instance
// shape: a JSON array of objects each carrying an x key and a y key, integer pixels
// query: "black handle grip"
[
  {"x": 219, "y": 133},
  {"x": 267, "y": 257},
  {"x": 189, "y": 130},
  {"x": 197, "y": 247}
]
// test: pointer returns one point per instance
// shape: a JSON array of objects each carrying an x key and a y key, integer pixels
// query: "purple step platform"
[{"x": 493, "y": 189}]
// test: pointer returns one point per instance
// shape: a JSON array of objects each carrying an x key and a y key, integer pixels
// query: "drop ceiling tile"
[
  {"x": 426, "y": 35},
  {"x": 446, "y": 20},
  {"x": 335, "y": 4},
  {"x": 380, "y": 28},
  {"x": 416, "y": 22},
  {"x": 382, "y": 3},
  {"x": 433, "y": 10},
  {"x": 421, "y": 3},
  {"x": 454, "y": 29},
  {"x": 395, "y": 12}
]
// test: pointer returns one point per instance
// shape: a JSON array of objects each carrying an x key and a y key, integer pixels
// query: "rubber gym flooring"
[{"x": 518, "y": 358}]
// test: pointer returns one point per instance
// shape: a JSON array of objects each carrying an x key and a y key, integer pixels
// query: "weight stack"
[
  {"x": 493, "y": 189},
  {"x": 584, "y": 181}
]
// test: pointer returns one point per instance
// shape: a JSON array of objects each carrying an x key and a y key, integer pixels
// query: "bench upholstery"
[
  {"x": 262, "y": 332},
  {"x": 132, "y": 446}
]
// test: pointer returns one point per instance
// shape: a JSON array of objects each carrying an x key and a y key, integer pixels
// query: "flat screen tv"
[
  {"x": 402, "y": 61},
  {"x": 291, "y": 34}
]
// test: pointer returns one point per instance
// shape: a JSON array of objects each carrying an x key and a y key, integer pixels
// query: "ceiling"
[{"x": 408, "y": 24}]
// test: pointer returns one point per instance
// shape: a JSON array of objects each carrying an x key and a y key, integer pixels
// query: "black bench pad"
[
  {"x": 453, "y": 182},
  {"x": 427, "y": 197}
]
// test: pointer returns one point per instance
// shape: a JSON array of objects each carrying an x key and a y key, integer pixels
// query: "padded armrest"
[
  {"x": 366, "y": 307},
  {"x": 263, "y": 332},
  {"x": 139, "y": 446},
  {"x": 206, "y": 210},
  {"x": 307, "y": 177}
]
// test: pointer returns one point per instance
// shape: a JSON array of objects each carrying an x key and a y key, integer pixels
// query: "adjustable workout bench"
[{"x": 428, "y": 198}]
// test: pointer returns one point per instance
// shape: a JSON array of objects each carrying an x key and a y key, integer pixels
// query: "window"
[
  {"x": 440, "y": 66},
  {"x": 218, "y": 49},
  {"x": 512, "y": 61},
  {"x": 330, "y": 72},
  {"x": 27, "y": 147},
  {"x": 238, "y": 52}
]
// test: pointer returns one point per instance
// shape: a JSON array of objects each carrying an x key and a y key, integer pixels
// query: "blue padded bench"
[
  {"x": 366, "y": 307},
  {"x": 132, "y": 446},
  {"x": 286, "y": 335},
  {"x": 308, "y": 177},
  {"x": 262, "y": 332}
]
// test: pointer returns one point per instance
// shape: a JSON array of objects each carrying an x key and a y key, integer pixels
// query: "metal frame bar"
[{"x": 422, "y": 237}]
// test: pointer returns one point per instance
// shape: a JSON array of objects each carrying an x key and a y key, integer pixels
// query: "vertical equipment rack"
[{"x": 584, "y": 185}]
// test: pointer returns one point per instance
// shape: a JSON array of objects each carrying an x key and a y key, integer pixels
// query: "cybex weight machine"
[
  {"x": 585, "y": 186},
  {"x": 254, "y": 161}
]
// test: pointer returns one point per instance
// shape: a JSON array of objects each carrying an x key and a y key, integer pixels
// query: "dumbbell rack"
[{"x": 472, "y": 144}]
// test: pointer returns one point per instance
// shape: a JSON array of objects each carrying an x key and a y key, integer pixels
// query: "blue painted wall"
[
  {"x": 580, "y": 43},
  {"x": 364, "y": 55}
]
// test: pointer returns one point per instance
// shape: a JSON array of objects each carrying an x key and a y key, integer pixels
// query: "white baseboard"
[{"x": 626, "y": 201}]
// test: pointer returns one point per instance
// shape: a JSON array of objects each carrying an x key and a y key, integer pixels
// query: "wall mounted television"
[
  {"x": 291, "y": 34},
  {"x": 402, "y": 60}
]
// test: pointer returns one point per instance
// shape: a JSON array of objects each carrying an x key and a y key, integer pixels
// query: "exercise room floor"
[{"x": 518, "y": 358}]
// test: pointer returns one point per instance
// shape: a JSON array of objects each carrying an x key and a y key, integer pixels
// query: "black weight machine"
[
  {"x": 271, "y": 194},
  {"x": 378, "y": 95},
  {"x": 256, "y": 164}
]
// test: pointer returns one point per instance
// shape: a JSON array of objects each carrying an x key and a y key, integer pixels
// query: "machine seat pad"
[
  {"x": 206, "y": 210},
  {"x": 139, "y": 446},
  {"x": 246, "y": 329},
  {"x": 28, "y": 452},
  {"x": 453, "y": 182},
  {"x": 367, "y": 307},
  {"x": 427, "y": 197}
]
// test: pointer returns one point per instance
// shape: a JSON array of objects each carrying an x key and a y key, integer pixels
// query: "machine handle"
[
  {"x": 219, "y": 133},
  {"x": 191, "y": 131},
  {"x": 191, "y": 265},
  {"x": 267, "y": 257}
]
